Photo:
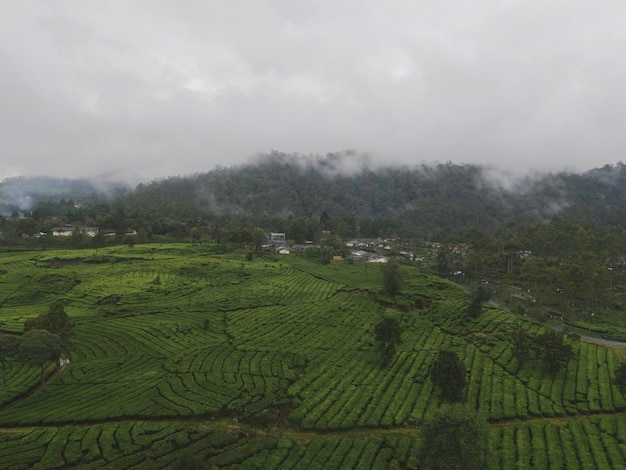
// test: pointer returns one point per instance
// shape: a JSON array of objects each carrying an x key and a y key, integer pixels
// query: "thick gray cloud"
[{"x": 143, "y": 89}]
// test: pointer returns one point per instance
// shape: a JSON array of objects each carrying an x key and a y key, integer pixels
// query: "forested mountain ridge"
[{"x": 419, "y": 199}]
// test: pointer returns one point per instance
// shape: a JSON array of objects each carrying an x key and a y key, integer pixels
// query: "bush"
[{"x": 455, "y": 438}]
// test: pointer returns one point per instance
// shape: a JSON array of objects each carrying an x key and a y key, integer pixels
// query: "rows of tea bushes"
[
  {"x": 574, "y": 443},
  {"x": 503, "y": 388},
  {"x": 176, "y": 332},
  {"x": 129, "y": 346},
  {"x": 157, "y": 366},
  {"x": 125, "y": 445},
  {"x": 582, "y": 443},
  {"x": 356, "y": 276},
  {"x": 585, "y": 386},
  {"x": 594, "y": 442},
  {"x": 20, "y": 379}
]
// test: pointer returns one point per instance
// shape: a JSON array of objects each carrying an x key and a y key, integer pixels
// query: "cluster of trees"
[
  {"x": 44, "y": 338},
  {"x": 303, "y": 196},
  {"x": 561, "y": 265},
  {"x": 550, "y": 348}
]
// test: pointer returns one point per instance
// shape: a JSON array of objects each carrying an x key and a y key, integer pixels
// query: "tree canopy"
[
  {"x": 553, "y": 351},
  {"x": 55, "y": 320},
  {"x": 37, "y": 347},
  {"x": 392, "y": 278},
  {"x": 388, "y": 336},
  {"x": 454, "y": 438},
  {"x": 448, "y": 375}
]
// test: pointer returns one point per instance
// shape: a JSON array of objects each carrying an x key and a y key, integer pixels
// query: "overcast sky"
[{"x": 147, "y": 89}]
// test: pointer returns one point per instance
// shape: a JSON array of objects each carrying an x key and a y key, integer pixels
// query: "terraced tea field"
[{"x": 272, "y": 363}]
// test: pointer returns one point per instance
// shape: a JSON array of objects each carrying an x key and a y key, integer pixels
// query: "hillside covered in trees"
[{"x": 359, "y": 199}]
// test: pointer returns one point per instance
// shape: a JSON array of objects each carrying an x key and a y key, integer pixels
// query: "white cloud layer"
[{"x": 142, "y": 89}]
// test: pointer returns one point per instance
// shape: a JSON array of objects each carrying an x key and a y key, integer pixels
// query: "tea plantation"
[{"x": 182, "y": 353}]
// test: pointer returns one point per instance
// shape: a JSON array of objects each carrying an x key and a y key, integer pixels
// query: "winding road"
[
  {"x": 590, "y": 339},
  {"x": 559, "y": 327}
]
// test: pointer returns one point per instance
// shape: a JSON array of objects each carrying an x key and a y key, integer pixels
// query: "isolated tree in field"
[
  {"x": 454, "y": 438},
  {"x": 521, "y": 345},
  {"x": 553, "y": 351},
  {"x": 620, "y": 377},
  {"x": 392, "y": 278},
  {"x": 475, "y": 307},
  {"x": 55, "y": 320},
  {"x": 448, "y": 375},
  {"x": 37, "y": 347},
  {"x": 388, "y": 336}
]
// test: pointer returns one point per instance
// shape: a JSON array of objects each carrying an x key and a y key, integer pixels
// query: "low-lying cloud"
[{"x": 150, "y": 89}]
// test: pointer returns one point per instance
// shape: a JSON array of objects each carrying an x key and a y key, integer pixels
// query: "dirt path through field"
[{"x": 303, "y": 435}]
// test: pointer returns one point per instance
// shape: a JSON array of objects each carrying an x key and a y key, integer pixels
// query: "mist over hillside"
[
  {"x": 23, "y": 194},
  {"x": 422, "y": 197}
]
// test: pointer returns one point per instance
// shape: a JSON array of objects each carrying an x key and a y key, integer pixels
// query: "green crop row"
[{"x": 596, "y": 442}]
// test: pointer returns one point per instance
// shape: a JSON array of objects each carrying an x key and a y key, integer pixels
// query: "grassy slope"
[{"x": 247, "y": 362}]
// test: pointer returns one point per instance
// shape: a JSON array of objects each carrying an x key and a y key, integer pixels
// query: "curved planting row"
[
  {"x": 361, "y": 276},
  {"x": 350, "y": 388},
  {"x": 302, "y": 287},
  {"x": 124, "y": 445},
  {"x": 272, "y": 287},
  {"x": 311, "y": 329},
  {"x": 184, "y": 383},
  {"x": 37, "y": 291},
  {"x": 20, "y": 378}
]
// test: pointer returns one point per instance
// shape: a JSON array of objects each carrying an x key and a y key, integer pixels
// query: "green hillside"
[{"x": 269, "y": 363}]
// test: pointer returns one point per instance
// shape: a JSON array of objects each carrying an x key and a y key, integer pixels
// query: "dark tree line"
[
  {"x": 561, "y": 265},
  {"x": 304, "y": 195}
]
